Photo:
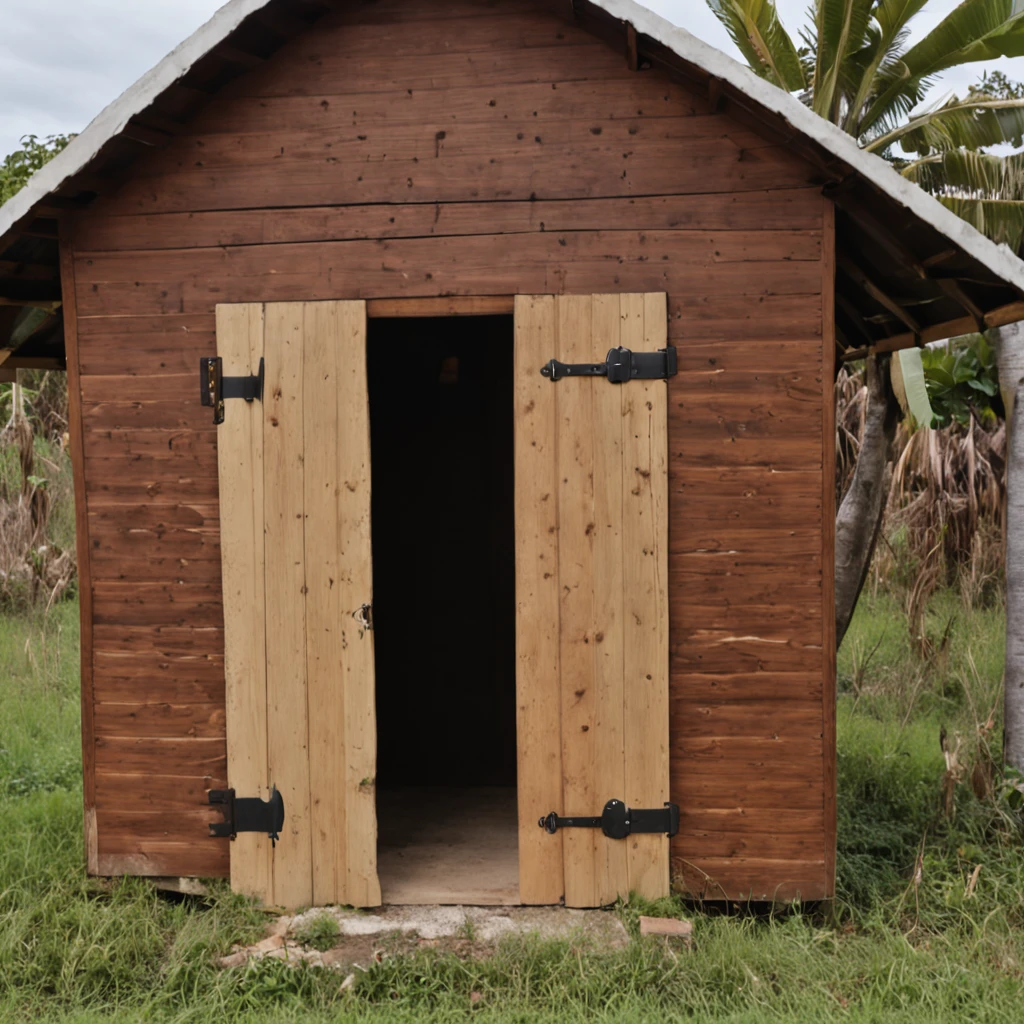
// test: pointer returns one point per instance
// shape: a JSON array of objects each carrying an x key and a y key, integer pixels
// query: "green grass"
[
  {"x": 893, "y": 710},
  {"x": 890, "y": 950},
  {"x": 40, "y": 740},
  {"x": 320, "y": 932}
]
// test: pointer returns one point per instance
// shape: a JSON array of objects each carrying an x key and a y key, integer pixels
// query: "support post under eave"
[{"x": 77, "y": 446}]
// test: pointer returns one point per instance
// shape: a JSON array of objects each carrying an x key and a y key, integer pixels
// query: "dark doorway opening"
[{"x": 444, "y": 607}]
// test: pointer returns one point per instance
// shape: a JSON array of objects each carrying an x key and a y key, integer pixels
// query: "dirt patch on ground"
[{"x": 365, "y": 937}]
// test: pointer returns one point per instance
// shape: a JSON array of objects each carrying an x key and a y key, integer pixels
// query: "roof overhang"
[{"x": 909, "y": 270}]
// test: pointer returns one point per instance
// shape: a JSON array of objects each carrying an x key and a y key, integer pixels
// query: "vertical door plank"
[
  {"x": 538, "y": 695},
  {"x": 355, "y": 588},
  {"x": 285, "y": 583},
  {"x": 295, "y": 486},
  {"x": 607, "y": 583},
  {"x": 609, "y": 447},
  {"x": 240, "y": 461},
  {"x": 645, "y": 540},
  {"x": 324, "y": 626},
  {"x": 576, "y": 528}
]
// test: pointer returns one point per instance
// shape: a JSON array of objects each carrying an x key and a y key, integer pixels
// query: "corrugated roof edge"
[{"x": 1000, "y": 259}]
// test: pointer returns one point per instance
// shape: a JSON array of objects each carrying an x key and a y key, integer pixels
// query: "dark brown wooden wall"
[{"x": 488, "y": 149}]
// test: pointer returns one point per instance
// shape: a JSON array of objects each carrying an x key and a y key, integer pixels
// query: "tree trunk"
[
  {"x": 859, "y": 519},
  {"x": 1010, "y": 348}
]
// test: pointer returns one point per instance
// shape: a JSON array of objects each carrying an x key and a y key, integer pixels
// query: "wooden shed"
[{"x": 502, "y": 552}]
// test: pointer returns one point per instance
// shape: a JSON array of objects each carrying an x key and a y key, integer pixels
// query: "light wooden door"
[
  {"x": 295, "y": 550},
  {"x": 591, "y": 597}
]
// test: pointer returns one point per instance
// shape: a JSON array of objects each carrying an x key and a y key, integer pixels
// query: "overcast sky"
[{"x": 62, "y": 61}]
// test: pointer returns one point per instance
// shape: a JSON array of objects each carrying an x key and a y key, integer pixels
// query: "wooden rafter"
[
  {"x": 939, "y": 257},
  {"x": 236, "y": 55},
  {"x": 50, "y": 305},
  {"x": 854, "y": 315},
  {"x": 953, "y": 289},
  {"x": 16, "y": 362},
  {"x": 716, "y": 95},
  {"x": 146, "y": 135},
  {"x": 55, "y": 206},
  {"x": 160, "y": 122},
  {"x": 40, "y": 227},
  {"x": 905, "y": 258},
  {"x": 1000, "y": 317},
  {"x": 632, "y": 49},
  {"x": 864, "y": 282},
  {"x": 886, "y": 239},
  {"x": 281, "y": 21},
  {"x": 29, "y": 271}
]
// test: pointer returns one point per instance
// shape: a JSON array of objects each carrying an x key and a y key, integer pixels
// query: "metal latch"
[
  {"x": 214, "y": 387},
  {"x": 620, "y": 365},
  {"x": 248, "y": 814},
  {"x": 619, "y": 821}
]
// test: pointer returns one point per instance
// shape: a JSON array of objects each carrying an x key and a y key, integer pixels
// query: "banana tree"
[
  {"x": 987, "y": 191},
  {"x": 1009, "y": 342},
  {"x": 857, "y": 69}
]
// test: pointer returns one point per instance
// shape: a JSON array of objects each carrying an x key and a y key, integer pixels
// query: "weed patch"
[{"x": 319, "y": 932}]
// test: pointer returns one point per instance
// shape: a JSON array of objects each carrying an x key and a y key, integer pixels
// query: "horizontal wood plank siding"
[{"x": 485, "y": 149}]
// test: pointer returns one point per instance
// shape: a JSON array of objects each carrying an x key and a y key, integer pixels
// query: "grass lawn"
[{"x": 948, "y": 948}]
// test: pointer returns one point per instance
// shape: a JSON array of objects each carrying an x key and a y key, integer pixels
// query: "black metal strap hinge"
[
  {"x": 619, "y": 821},
  {"x": 214, "y": 387},
  {"x": 620, "y": 365},
  {"x": 248, "y": 814}
]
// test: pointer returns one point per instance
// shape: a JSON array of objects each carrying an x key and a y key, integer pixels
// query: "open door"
[
  {"x": 296, "y": 556},
  {"x": 591, "y": 599}
]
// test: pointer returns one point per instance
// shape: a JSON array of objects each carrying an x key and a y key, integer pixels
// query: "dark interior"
[{"x": 443, "y": 554}]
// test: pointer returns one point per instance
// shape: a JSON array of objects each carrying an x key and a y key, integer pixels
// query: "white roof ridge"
[{"x": 999, "y": 259}]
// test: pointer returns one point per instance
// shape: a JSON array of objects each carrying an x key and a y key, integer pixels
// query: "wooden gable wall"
[{"x": 481, "y": 148}]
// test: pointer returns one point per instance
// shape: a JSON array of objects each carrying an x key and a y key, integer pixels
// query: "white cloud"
[{"x": 62, "y": 61}]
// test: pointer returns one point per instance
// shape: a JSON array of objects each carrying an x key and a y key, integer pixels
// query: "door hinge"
[
  {"x": 619, "y": 821},
  {"x": 620, "y": 365},
  {"x": 214, "y": 387},
  {"x": 248, "y": 814}
]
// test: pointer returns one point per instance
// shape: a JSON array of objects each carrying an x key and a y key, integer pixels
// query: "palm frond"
[
  {"x": 842, "y": 30},
  {"x": 1002, "y": 220},
  {"x": 957, "y": 124},
  {"x": 756, "y": 29},
  {"x": 895, "y": 93},
  {"x": 970, "y": 175},
  {"x": 893, "y": 16},
  {"x": 888, "y": 35},
  {"x": 975, "y": 30},
  {"x": 986, "y": 191}
]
